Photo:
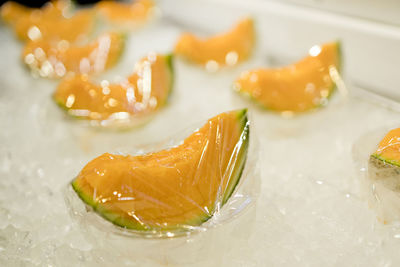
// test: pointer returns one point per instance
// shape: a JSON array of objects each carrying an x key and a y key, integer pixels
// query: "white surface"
[
  {"x": 384, "y": 10},
  {"x": 310, "y": 211}
]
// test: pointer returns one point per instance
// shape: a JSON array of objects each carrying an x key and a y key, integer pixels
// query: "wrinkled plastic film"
[
  {"x": 380, "y": 180},
  {"x": 199, "y": 183},
  {"x": 129, "y": 102}
]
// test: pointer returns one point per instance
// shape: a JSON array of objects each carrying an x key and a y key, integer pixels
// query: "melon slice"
[
  {"x": 48, "y": 22},
  {"x": 302, "y": 86},
  {"x": 142, "y": 93},
  {"x": 384, "y": 178},
  {"x": 12, "y": 11},
  {"x": 389, "y": 148},
  {"x": 134, "y": 12},
  {"x": 53, "y": 59},
  {"x": 176, "y": 188},
  {"x": 384, "y": 163},
  {"x": 73, "y": 29},
  {"x": 226, "y": 49}
]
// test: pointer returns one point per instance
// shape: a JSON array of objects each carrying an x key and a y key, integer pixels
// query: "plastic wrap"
[
  {"x": 223, "y": 50},
  {"x": 126, "y": 15},
  {"x": 380, "y": 181},
  {"x": 210, "y": 178},
  {"x": 88, "y": 42},
  {"x": 126, "y": 103},
  {"x": 53, "y": 58}
]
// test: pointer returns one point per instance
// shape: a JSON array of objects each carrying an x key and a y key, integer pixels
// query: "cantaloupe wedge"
[
  {"x": 389, "y": 148},
  {"x": 142, "y": 93},
  {"x": 302, "y": 86},
  {"x": 226, "y": 49},
  {"x": 11, "y": 12},
  {"x": 172, "y": 189},
  {"x": 384, "y": 163},
  {"x": 55, "y": 58},
  {"x": 48, "y": 22},
  {"x": 73, "y": 29},
  {"x": 126, "y": 13}
]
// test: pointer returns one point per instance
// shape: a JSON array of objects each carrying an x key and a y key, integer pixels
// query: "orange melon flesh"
[
  {"x": 296, "y": 88},
  {"x": 48, "y": 22},
  {"x": 118, "y": 12},
  {"x": 73, "y": 29},
  {"x": 389, "y": 148},
  {"x": 226, "y": 49},
  {"x": 12, "y": 11},
  {"x": 173, "y": 188},
  {"x": 53, "y": 59},
  {"x": 142, "y": 93}
]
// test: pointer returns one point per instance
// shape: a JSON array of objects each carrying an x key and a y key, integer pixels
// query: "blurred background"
[
  {"x": 39, "y": 3},
  {"x": 386, "y": 11}
]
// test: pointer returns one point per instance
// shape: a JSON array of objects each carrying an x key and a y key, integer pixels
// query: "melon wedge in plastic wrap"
[
  {"x": 384, "y": 177},
  {"x": 377, "y": 158},
  {"x": 48, "y": 22},
  {"x": 134, "y": 12},
  {"x": 172, "y": 189},
  {"x": 55, "y": 58},
  {"x": 226, "y": 49},
  {"x": 127, "y": 103},
  {"x": 299, "y": 87}
]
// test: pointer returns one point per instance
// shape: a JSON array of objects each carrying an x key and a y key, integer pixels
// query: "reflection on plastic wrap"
[
  {"x": 125, "y": 104},
  {"x": 55, "y": 58},
  {"x": 299, "y": 87},
  {"x": 227, "y": 49},
  {"x": 177, "y": 191},
  {"x": 380, "y": 174}
]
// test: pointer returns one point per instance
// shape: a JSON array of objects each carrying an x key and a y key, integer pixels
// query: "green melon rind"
[
  {"x": 106, "y": 214},
  {"x": 169, "y": 64},
  {"x": 124, "y": 37},
  {"x": 169, "y": 58},
  {"x": 242, "y": 157},
  {"x": 331, "y": 91},
  {"x": 340, "y": 56},
  {"x": 388, "y": 161},
  {"x": 202, "y": 218},
  {"x": 127, "y": 223}
]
